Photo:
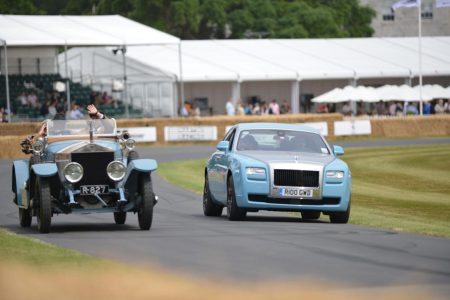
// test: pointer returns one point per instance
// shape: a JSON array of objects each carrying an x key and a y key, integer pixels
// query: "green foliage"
[{"x": 218, "y": 19}]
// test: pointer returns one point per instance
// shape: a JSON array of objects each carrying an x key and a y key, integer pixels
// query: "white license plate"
[
  {"x": 295, "y": 192},
  {"x": 93, "y": 189}
]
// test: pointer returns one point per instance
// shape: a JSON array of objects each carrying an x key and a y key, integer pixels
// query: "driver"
[{"x": 26, "y": 144}]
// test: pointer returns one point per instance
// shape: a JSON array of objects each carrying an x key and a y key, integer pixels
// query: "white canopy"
[
  {"x": 370, "y": 94},
  {"x": 79, "y": 31},
  {"x": 434, "y": 90}
]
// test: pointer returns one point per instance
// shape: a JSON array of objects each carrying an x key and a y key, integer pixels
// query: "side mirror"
[
  {"x": 223, "y": 146},
  {"x": 338, "y": 150}
]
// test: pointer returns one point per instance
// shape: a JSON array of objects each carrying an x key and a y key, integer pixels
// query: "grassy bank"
[{"x": 402, "y": 188}]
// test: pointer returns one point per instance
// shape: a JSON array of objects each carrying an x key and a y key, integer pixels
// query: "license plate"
[
  {"x": 93, "y": 189},
  {"x": 295, "y": 192}
]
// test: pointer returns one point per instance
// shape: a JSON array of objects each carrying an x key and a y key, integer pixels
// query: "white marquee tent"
[{"x": 71, "y": 31}]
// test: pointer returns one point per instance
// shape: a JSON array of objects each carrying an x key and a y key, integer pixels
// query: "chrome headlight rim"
[
  {"x": 109, "y": 170},
  {"x": 38, "y": 147},
  {"x": 130, "y": 144},
  {"x": 67, "y": 176}
]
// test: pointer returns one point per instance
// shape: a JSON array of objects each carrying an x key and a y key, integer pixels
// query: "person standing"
[
  {"x": 274, "y": 107},
  {"x": 231, "y": 111},
  {"x": 439, "y": 107}
]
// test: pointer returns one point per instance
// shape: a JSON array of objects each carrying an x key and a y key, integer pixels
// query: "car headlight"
[
  {"x": 335, "y": 174},
  {"x": 256, "y": 173},
  {"x": 73, "y": 172},
  {"x": 116, "y": 170},
  {"x": 130, "y": 144},
  {"x": 38, "y": 147}
]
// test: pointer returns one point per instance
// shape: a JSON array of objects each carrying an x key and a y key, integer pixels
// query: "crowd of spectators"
[{"x": 257, "y": 108}]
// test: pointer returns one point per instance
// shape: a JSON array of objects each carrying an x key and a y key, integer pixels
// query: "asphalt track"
[{"x": 265, "y": 246}]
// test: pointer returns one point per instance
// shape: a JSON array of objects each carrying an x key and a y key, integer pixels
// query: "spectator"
[
  {"x": 2, "y": 114},
  {"x": 399, "y": 109},
  {"x": 346, "y": 109},
  {"x": 231, "y": 111},
  {"x": 439, "y": 107},
  {"x": 285, "y": 108},
  {"x": 256, "y": 109},
  {"x": 411, "y": 109},
  {"x": 427, "y": 108},
  {"x": 264, "y": 108},
  {"x": 322, "y": 108},
  {"x": 274, "y": 108},
  {"x": 22, "y": 99},
  {"x": 447, "y": 106},
  {"x": 44, "y": 108},
  {"x": 195, "y": 111},
  {"x": 184, "y": 110},
  {"x": 52, "y": 109},
  {"x": 392, "y": 109},
  {"x": 248, "y": 109},
  {"x": 32, "y": 100},
  {"x": 75, "y": 112},
  {"x": 240, "y": 109},
  {"x": 381, "y": 108}
]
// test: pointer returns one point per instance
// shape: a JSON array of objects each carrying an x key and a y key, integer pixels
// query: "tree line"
[{"x": 221, "y": 19}]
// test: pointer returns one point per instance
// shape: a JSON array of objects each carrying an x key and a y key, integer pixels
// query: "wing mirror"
[
  {"x": 338, "y": 150},
  {"x": 223, "y": 146}
]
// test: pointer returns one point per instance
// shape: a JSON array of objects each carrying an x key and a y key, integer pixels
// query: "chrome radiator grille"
[{"x": 299, "y": 178}]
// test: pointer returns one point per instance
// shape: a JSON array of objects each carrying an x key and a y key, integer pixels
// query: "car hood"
[{"x": 289, "y": 157}]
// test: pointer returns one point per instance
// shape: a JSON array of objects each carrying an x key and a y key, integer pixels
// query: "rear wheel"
[
  {"x": 145, "y": 213},
  {"x": 25, "y": 217},
  {"x": 44, "y": 210},
  {"x": 340, "y": 217},
  {"x": 234, "y": 213},
  {"x": 210, "y": 209},
  {"x": 120, "y": 217},
  {"x": 310, "y": 215}
]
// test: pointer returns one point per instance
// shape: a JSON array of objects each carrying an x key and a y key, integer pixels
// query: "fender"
[
  {"x": 20, "y": 177},
  {"x": 138, "y": 166},
  {"x": 45, "y": 169}
]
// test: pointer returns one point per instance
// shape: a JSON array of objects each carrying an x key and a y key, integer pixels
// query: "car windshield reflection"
[{"x": 80, "y": 127}]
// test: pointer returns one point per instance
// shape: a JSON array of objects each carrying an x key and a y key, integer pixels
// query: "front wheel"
[
  {"x": 145, "y": 213},
  {"x": 44, "y": 213},
  {"x": 120, "y": 217},
  {"x": 25, "y": 217},
  {"x": 234, "y": 213},
  {"x": 210, "y": 209},
  {"x": 340, "y": 217}
]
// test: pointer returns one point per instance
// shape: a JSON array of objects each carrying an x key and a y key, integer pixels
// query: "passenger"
[{"x": 248, "y": 142}]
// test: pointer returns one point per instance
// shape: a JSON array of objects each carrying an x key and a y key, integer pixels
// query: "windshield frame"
[
  {"x": 239, "y": 136},
  {"x": 80, "y": 128}
]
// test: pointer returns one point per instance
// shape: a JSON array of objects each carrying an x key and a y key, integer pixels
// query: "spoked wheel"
[
  {"x": 310, "y": 215},
  {"x": 340, "y": 217},
  {"x": 210, "y": 209},
  {"x": 120, "y": 217},
  {"x": 44, "y": 210},
  {"x": 234, "y": 213},
  {"x": 25, "y": 217},
  {"x": 145, "y": 213}
]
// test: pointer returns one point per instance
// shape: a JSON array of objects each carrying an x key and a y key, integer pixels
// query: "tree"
[{"x": 22, "y": 7}]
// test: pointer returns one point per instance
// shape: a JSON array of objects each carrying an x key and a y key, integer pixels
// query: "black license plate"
[{"x": 94, "y": 189}]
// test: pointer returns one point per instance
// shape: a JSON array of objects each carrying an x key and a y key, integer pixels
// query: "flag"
[
  {"x": 442, "y": 3},
  {"x": 405, "y": 3}
]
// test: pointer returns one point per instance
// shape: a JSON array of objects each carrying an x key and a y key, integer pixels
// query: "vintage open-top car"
[
  {"x": 83, "y": 166},
  {"x": 279, "y": 167}
]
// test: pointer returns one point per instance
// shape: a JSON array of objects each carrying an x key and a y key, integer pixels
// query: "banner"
[
  {"x": 442, "y": 3},
  {"x": 190, "y": 133},
  {"x": 405, "y": 3}
]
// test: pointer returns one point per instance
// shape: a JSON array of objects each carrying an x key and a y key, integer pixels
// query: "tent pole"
[
  {"x": 124, "y": 93},
  {"x": 67, "y": 78},
  {"x": 295, "y": 96},
  {"x": 180, "y": 62},
  {"x": 420, "y": 56},
  {"x": 8, "y": 100}
]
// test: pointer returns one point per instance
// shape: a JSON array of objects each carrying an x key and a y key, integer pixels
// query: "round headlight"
[
  {"x": 116, "y": 170},
  {"x": 73, "y": 172},
  {"x": 38, "y": 146},
  {"x": 130, "y": 143}
]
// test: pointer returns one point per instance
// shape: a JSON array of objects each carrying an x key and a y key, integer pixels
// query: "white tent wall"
[
  {"x": 217, "y": 93},
  {"x": 30, "y": 60},
  {"x": 149, "y": 88}
]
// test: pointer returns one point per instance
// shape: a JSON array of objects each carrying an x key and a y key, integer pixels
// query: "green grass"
[
  {"x": 20, "y": 249},
  {"x": 403, "y": 188}
]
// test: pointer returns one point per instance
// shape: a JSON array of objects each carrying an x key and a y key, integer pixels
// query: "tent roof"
[
  {"x": 303, "y": 59},
  {"x": 78, "y": 31}
]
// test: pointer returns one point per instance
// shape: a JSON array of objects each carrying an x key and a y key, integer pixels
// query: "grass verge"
[{"x": 403, "y": 188}]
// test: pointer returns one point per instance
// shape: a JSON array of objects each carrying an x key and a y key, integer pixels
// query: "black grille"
[
  {"x": 296, "y": 178},
  {"x": 323, "y": 201},
  {"x": 94, "y": 166}
]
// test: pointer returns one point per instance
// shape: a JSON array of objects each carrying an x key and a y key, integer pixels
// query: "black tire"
[
  {"x": 234, "y": 213},
  {"x": 132, "y": 156},
  {"x": 44, "y": 208},
  {"x": 120, "y": 217},
  {"x": 341, "y": 217},
  {"x": 210, "y": 209},
  {"x": 25, "y": 216},
  {"x": 145, "y": 213},
  {"x": 310, "y": 215}
]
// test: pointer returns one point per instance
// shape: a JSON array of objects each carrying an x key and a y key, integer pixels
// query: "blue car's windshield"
[
  {"x": 281, "y": 140},
  {"x": 81, "y": 127}
]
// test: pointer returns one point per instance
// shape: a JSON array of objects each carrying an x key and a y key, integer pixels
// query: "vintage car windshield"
[
  {"x": 281, "y": 140},
  {"x": 80, "y": 127}
]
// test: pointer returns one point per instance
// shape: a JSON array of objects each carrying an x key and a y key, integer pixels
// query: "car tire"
[
  {"x": 25, "y": 216},
  {"x": 210, "y": 209},
  {"x": 132, "y": 156},
  {"x": 310, "y": 215},
  {"x": 44, "y": 209},
  {"x": 145, "y": 213},
  {"x": 340, "y": 217},
  {"x": 234, "y": 213},
  {"x": 120, "y": 217}
]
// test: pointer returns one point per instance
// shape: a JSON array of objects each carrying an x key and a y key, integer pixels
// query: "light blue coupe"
[{"x": 278, "y": 167}]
